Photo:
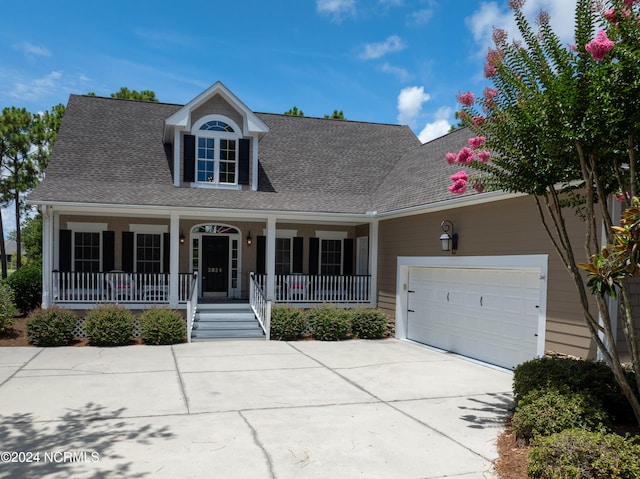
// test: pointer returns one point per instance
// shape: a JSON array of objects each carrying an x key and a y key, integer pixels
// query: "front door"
[{"x": 215, "y": 265}]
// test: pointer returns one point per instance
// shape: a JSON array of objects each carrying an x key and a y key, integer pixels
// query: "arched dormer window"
[{"x": 216, "y": 155}]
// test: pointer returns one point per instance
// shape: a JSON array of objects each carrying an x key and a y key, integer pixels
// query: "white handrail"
[
  {"x": 309, "y": 288},
  {"x": 192, "y": 305},
  {"x": 260, "y": 305}
]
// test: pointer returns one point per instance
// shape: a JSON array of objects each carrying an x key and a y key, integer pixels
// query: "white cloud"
[
  {"x": 400, "y": 73},
  {"x": 490, "y": 15},
  {"x": 38, "y": 87},
  {"x": 420, "y": 17},
  {"x": 338, "y": 9},
  {"x": 410, "y": 102},
  {"x": 372, "y": 51},
  {"x": 391, "y": 3},
  {"x": 31, "y": 49},
  {"x": 440, "y": 126}
]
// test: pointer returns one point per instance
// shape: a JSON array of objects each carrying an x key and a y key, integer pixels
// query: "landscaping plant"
[
  {"x": 51, "y": 327},
  {"x": 559, "y": 124},
  {"x": 26, "y": 283},
  {"x": 7, "y": 306},
  {"x": 329, "y": 323},
  {"x": 162, "y": 326},
  {"x": 368, "y": 323},
  {"x": 287, "y": 323},
  {"x": 109, "y": 325}
]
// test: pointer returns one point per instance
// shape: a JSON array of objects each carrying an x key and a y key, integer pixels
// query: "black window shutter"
[
  {"x": 64, "y": 250},
  {"x": 108, "y": 250},
  {"x": 166, "y": 252},
  {"x": 347, "y": 257},
  {"x": 189, "y": 160},
  {"x": 314, "y": 255},
  {"x": 127, "y": 251},
  {"x": 243, "y": 161},
  {"x": 261, "y": 254},
  {"x": 298, "y": 245}
]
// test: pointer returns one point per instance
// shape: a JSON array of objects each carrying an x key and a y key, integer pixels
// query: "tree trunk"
[
  {"x": 18, "y": 239},
  {"x": 3, "y": 251}
]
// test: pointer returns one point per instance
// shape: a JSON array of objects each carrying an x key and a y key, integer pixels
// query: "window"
[
  {"x": 217, "y": 153},
  {"x": 148, "y": 253},
  {"x": 86, "y": 252},
  {"x": 331, "y": 256},
  {"x": 283, "y": 256}
]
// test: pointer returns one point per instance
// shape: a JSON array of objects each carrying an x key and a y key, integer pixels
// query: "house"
[{"x": 182, "y": 205}]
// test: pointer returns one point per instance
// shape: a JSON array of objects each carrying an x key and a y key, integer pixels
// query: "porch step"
[{"x": 225, "y": 321}]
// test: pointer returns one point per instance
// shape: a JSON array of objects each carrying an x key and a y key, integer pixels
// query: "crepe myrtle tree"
[{"x": 561, "y": 123}]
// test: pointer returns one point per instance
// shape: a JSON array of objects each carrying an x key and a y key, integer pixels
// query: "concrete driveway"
[{"x": 249, "y": 409}]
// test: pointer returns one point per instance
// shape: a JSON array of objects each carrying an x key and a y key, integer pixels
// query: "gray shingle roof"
[{"x": 110, "y": 151}]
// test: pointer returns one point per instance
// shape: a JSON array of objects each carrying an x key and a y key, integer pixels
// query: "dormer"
[{"x": 215, "y": 141}]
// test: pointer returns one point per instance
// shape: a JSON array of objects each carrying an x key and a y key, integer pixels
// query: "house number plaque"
[{"x": 214, "y": 270}]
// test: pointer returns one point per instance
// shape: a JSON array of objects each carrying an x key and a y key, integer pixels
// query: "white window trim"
[
  {"x": 80, "y": 227},
  {"x": 237, "y": 135},
  {"x": 149, "y": 229},
  {"x": 282, "y": 233}
]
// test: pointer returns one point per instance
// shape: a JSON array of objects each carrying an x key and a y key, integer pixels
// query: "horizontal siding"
[{"x": 508, "y": 227}]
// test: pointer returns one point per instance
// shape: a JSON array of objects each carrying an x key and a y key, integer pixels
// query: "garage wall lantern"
[{"x": 448, "y": 238}]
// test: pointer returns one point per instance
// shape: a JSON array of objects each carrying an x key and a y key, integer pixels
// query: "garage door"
[{"x": 487, "y": 314}]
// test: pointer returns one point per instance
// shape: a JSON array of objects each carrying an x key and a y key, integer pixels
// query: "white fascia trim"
[
  {"x": 332, "y": 235},
  {"x": 449, "y": 204},
  {"x": 182, "y": 117},
  {"x": 86, "y": 227}
]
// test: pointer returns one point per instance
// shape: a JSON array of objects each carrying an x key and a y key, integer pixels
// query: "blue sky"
[{"x": 388, "y": 61}]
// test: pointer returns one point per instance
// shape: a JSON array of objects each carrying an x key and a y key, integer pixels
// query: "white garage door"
[{"x": 487, "y": 314}]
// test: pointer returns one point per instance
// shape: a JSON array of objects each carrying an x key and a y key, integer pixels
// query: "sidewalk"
[{"x": 249, "y": 409}]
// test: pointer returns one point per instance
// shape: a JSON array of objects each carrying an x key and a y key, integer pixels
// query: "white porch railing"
[
  {"x": 117, "y": 287},
  {"x": 260, "y": 305},
  {"x": 192, "y": 305},
  {"x": 305, "y": 288}
]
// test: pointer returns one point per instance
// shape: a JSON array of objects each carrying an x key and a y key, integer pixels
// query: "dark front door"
[{"x": 215, "y": 264}]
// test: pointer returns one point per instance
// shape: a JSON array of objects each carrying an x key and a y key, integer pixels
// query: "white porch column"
[
  {"x": 270, "y": 257},
  {"x": 373, "y": 262},
  {"x": 174, "y": 259},
  {"x": 47, "y": 257}
]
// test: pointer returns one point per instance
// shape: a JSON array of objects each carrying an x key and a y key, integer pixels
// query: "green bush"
[
  {"x": 590, "y": 377},
  {"x": 287, "y": 323},
  {"x": 542, "y": 413},
  {"x": 577, "y": 454},
  {"x": 109, "y": 325},
  {"x": 7, "y": 307},
  {"x": 368, "y": 323},
  {"x": 50, "y": 327},
  {"x": 162, "y": 326},
  {"x": 27, "y": 287},
  {"x": 329, "y": 323}
]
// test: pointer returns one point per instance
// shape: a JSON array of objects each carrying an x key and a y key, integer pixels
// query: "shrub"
[
  {"x": 542, "y": 413},
  {"x": 329, "y": 323},
  {"x": 109, "y": 325},
  {"x": 368, "y": 323},
  {"x": 7, "y": 307},
  {"x": 584, "y": 455},
  {"x": 162, "y": 326},
  {"x": 575, "y": 375},
  {"x": 50, "y": 327},
  {"x": 287, "y": 323},
  {"x": 27, "y": 287}
]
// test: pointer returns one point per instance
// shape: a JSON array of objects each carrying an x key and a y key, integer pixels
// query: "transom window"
[{"x": 217, "y": 152}]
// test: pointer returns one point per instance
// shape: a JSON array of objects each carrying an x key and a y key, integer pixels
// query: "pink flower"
[
  {"x": 478, "y": 120},
  {"x": 465, "y": 156},
  {"x": 499, "y": 35},
  {"x": 620, "y": 197},
  {"x": 610, "y": 15},
  {"x": 466, "y": 98},
  {"x": 451, "y": 158},
  {"x": 629, "y": 3},
  {"x": 460, "y": 176},
  {"x": 477, "y": 142},
  {"x": 516, "y": 4},
  {"x": 484, "y": 156},
  {"x": 489, "y": 70},
  {"x": 490, "y": 93},
  {"x": 573, "y": 47},
  {"x": 599, "y": 46},
  {"x": 458, "y": 187}
]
